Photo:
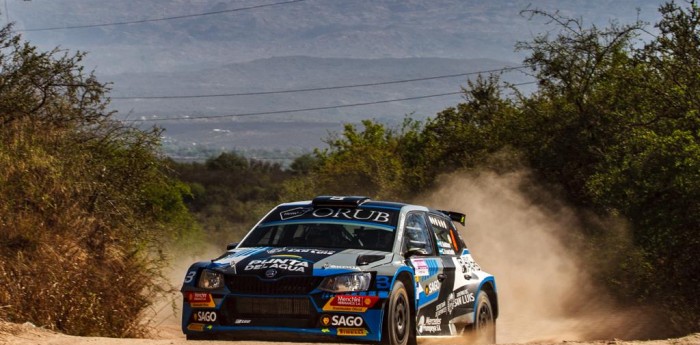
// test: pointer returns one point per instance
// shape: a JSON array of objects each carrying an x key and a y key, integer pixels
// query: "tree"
[
  {"x": 618, "y": 127},
  {"x": 463, "y": 137},
  {"x": 367, "y": 162},
  {"x": 581, "y": 105},
  {"x": 86, "y": 207},
  {"x": 652, "y": 174}
]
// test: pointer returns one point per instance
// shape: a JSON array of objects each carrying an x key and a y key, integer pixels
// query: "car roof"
[
  {"x": 368, "y": 203},
  {"x": 365, "y": 202}
]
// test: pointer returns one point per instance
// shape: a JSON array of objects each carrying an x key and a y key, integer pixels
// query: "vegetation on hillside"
[
  {"x": 86, "y": 206},
  {"x": 614, "y": 125},
  {"x": 230, "y": 193}
]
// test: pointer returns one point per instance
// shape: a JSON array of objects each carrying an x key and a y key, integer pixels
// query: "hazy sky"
[
  {"x": 185, "y": 47},
  {"x": 244, "y": 30}
]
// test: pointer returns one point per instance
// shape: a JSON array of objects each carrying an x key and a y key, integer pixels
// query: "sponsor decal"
[
  {"x": 301, "y": 251},
  {"x": 421, "y": 267},
  {"x": 429, "y": 325},
  {"x": 241, "y": 322},
  {"x": 328, "y": 265},
  {"x": 197, "y": 327},
  {"x": 468, "y": 265},
  {"x": 441, "y": 223},
  {"x": 464, "y": 297},
  {"x": 352, "y": 214},
  {"x": 342, "y": 321},
  {"x": 444, "y": 244},
  {"x": 284, "y": 264},
  {"x": 447, "y": 251},
  {"x": 229, "y": 260},
  {"x": 204, "y": 316},
  {"x": 358, "y": 304},
  {"x": 200, "y": 300},
  {"x": 450, "y": 303},
  {"x": 358, "y": 332},
  {"x": 441, "y": 308},
  {"x": 302, "y": 213},
  {"x": 326, "y": 320},
  {"x": 325, "y": 330},
  {"x": 229, "y": 265},
  {"x": 432, "y": 287},
  {"x": 294, "y": 213},
  {"x": 460, "y": 298}
]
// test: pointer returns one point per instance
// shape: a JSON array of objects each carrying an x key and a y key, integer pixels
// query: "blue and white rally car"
[{"x": 346, "y": 267}]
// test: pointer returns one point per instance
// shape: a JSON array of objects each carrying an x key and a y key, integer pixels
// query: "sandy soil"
[{"x": 27, "y": 334}]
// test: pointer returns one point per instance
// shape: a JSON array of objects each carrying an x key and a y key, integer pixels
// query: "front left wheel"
[{"x": 401, "y": 328}]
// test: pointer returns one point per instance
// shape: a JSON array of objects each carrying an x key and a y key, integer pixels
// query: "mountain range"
[{"x": 183, "y": 47}]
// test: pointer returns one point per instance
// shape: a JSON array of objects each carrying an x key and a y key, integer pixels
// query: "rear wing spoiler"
[{"x": 456, "y": 216}]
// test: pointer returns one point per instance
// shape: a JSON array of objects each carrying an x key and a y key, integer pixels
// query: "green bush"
[{"x": 86, "y": 208}]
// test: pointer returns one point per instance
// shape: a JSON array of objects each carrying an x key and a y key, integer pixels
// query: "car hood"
[{"x": 274, "y": 262}]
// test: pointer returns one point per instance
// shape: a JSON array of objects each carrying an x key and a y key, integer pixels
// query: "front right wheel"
[
  {"x": 400, "y": 322},
  {"x": 483, "y": 330}
]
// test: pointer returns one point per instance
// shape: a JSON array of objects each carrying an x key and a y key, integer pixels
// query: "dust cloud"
[
  {"x": 528, "y": 241},
  {"x": 522, "y": 235},
  {"x": 165, "y": 316}
]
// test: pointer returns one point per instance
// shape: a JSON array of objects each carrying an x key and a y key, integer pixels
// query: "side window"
[
  {"x": 445, "y": 235},
  {"x": 459, "y": 241},
  {"x": 416, "y": 235}
]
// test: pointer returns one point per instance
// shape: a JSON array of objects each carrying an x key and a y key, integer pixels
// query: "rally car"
[{"x": 346, "y": 267}]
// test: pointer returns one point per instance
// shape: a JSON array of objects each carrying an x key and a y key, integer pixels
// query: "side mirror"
[{"x": 231, "y": 245}]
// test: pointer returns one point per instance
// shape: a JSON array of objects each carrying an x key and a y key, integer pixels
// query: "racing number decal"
[
  {"x": 383, "y": 282},
  {"x": 190, "y": 276}
]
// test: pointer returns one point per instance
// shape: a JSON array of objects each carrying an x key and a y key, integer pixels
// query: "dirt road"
[{"x": 12, "y": 334}]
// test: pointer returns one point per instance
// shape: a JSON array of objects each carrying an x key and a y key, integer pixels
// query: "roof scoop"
[{"x": 339, "y": 201}]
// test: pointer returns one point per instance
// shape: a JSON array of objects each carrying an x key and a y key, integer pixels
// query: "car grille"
[
  {"x": 284, "y": 286},
  {"x": 269, "y": 311}
]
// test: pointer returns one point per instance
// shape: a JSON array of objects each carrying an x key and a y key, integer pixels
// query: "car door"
[
  {"x": 460, "y": 283},
  {"x": 422, "y": 254}
]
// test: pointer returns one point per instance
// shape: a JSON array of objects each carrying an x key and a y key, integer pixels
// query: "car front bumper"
[{"x": 356, "y": 316}]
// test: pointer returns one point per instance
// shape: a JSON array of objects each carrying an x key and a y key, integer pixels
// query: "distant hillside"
[
  {"x": 324, "y": 28},
  {"x": 312, "y": 43},
  {"x": 299, "y": 72},
  {"x": 301, "y": 130}
]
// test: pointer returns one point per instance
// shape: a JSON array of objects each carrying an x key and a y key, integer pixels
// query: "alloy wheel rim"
[
  {"x": 400, "y": 318},
  {"x": 484, "y": 316}
]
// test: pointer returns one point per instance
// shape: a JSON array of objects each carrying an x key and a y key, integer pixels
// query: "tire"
[
  {"x": 400, "y": 322},
  {"x": 483, "y": 330}
]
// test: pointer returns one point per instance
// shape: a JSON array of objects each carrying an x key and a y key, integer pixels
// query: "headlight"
[
  {"x": 210, "y": 280},
  {"x": 347, "y": 282}
]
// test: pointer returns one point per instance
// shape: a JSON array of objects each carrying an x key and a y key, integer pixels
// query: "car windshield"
[{"x": 321, "y": 234}]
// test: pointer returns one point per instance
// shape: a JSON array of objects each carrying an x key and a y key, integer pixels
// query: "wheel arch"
[{"x": 488, "y": 286}]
